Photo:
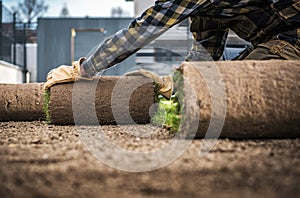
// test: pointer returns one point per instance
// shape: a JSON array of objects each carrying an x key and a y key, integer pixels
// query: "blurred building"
[{"x": 64, "y": 40}]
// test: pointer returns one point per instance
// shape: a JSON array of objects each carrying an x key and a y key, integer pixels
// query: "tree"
[
  {"x": 30, "y": 10},
  {"x": 65, "y": 11}
]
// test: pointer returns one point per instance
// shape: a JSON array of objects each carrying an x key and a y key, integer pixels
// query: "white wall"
[
  {"x": 142, "y": 5},
  {"x": 10, "y": 73},
  {"x": 31, "y": 51}
]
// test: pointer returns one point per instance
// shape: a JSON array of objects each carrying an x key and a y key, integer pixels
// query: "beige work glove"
[
  {"x": 64, "y": 74},
  {"x": 165, "y": 83}
]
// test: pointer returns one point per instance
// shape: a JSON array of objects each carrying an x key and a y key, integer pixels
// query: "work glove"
[
  {"x": 64, "y": 74},
  {"x": 164, "y": 83}
]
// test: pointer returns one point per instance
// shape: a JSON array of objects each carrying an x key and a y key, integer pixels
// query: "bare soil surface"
[{"x": 40, "y": 160}]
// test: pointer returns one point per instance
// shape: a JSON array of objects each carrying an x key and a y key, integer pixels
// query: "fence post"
[
  {"x": 24, "y": 54},
  {"x": 1, "y": 32},
  {"x": 14, "y": 39}
]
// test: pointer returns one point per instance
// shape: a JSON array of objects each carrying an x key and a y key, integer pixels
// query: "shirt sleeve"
[{"x": 142, "y": 30}]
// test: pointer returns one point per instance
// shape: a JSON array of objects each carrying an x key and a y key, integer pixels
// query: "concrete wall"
[
  {"x": 141, "y": 5},
  {"x": 54, "y": 41},
  {"x": 10, "y": 73},
  {"x": 31, "y": 51}
]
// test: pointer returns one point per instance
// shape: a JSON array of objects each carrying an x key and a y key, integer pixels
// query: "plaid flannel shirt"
[
  {"x": 256, "y": 22},
  {"x": 211, "y": 33}
]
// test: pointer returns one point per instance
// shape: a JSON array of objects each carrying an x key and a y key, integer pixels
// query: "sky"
[{"x": 82, "y": 8}]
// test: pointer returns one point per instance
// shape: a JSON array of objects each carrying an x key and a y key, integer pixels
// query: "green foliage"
[
  {"x": 46, "y": 105},
  {"x": 156, "y": 92},
  {"x": 169, "y": 112},
  {"x": 179, "y": 92}
]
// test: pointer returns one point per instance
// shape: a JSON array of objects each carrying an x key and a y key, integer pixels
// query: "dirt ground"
[{"x": 40, "y": 160}]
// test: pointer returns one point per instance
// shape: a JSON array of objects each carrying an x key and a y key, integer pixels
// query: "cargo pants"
[{"x": 272, "y": 49}]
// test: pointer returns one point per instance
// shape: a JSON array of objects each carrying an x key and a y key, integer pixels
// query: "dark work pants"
[{"x": 272, "y": 49}]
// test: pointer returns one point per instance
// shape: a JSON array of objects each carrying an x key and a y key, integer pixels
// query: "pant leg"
[{"x": 274, "y": 49}]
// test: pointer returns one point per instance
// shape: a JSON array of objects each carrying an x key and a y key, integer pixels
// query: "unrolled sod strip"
[
  {"x": 261, "y": 99},
  {"x": 103, "y": 100},
  {"x": 21, "y": 102}
]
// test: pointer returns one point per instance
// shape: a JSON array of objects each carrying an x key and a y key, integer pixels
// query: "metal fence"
[{"x": 13, "y": 35}]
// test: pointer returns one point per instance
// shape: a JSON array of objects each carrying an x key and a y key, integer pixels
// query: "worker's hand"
[
  {"x": 64, "y": 74},
  {"x": 164, "y": 83}
]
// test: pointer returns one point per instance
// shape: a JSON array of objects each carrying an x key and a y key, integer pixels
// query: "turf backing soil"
[
  {"x": 105, "y": 100},
  {"x": 21, "y": 102},
  {"x": 256, "y": 99},
  {"x": 40, "y": 160}
]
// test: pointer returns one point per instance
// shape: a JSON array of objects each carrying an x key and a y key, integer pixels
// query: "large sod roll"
[
  {"x": 261, "y": 99},
  {"x": 103, "y": 100},
  {"x": 21, "y": 102}
]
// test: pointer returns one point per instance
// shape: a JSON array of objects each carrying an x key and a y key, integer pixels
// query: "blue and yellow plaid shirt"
[{"x": 253, "y": 20}]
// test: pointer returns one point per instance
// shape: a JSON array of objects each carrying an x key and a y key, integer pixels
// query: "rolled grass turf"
[
  {"x": 103, "y": 100},
  {"x": 259, "y": 99},
  {"x": 21, "y": 102}
]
